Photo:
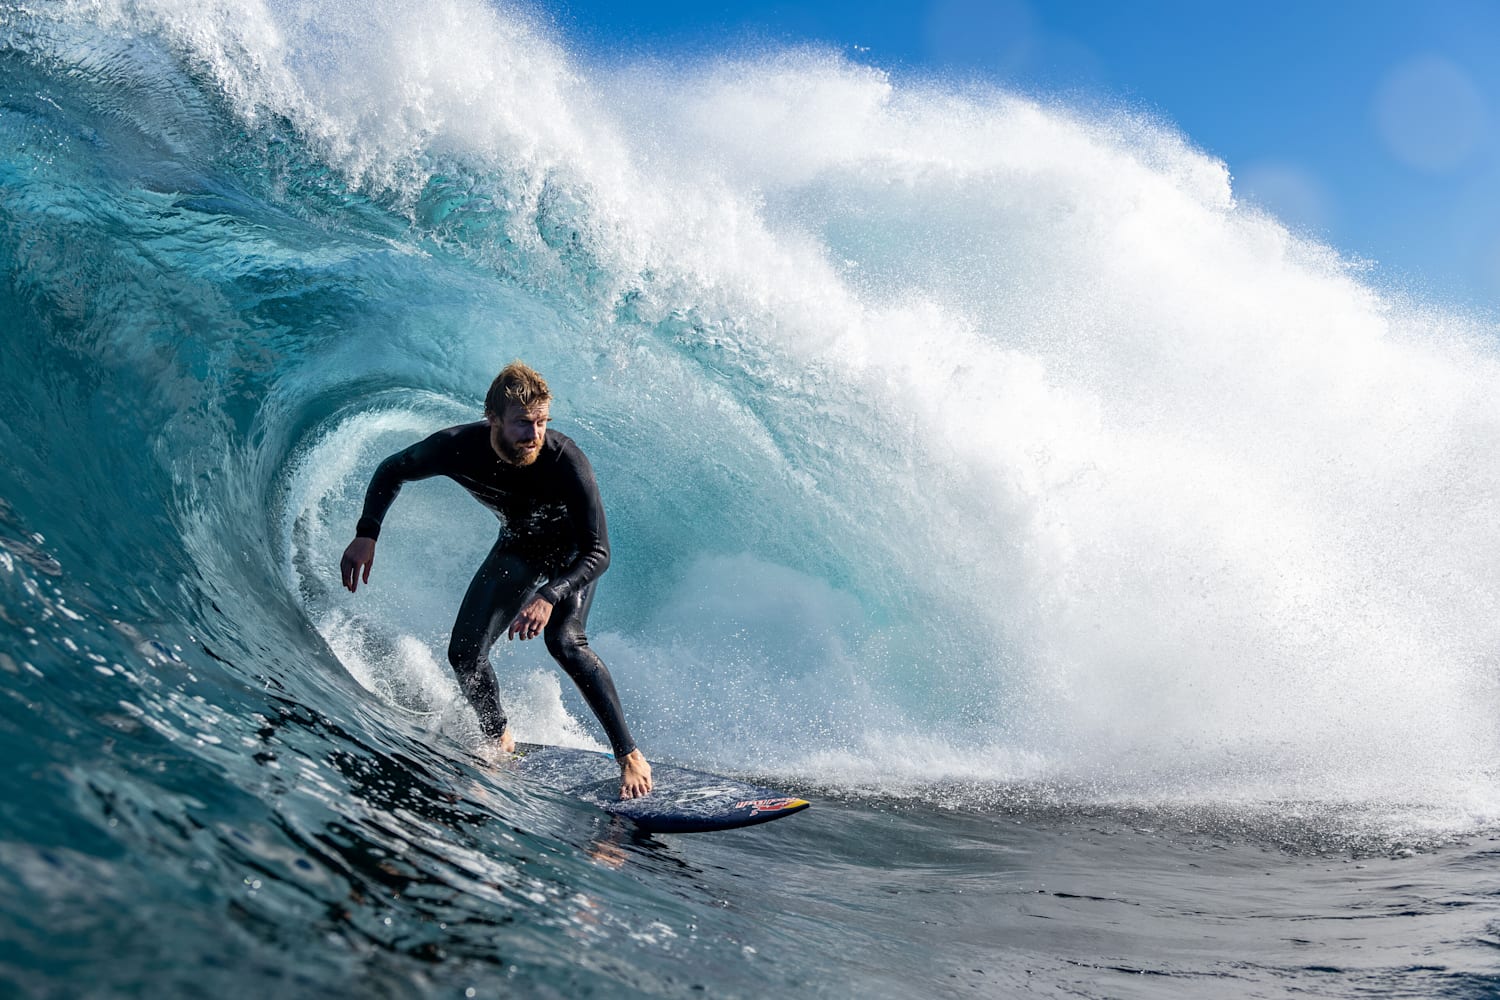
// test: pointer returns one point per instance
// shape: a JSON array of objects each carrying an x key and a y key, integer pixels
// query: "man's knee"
[
  {"x": 463, "y": 657},
  {"x": 568, "y": 648},
  {"x": 559, "y": 646}
]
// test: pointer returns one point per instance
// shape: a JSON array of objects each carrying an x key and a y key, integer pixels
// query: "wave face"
[{"x": 945, "y": 436}]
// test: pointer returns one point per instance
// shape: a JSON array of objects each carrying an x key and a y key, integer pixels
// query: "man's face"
[{"x": 518, "y": 433}]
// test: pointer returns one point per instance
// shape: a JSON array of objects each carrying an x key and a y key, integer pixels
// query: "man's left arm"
[
  {"x": 586, "y": 519},
  {"x": 585, "y": 513}
]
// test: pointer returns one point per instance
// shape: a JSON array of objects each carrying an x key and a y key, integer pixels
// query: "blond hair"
[{"x": 519, "y": 383}]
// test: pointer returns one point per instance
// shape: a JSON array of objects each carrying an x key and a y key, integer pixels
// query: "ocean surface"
[{"x": 1114, "y": 567}]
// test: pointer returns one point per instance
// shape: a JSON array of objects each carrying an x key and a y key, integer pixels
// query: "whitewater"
[{"x": 1111, "y": 564}]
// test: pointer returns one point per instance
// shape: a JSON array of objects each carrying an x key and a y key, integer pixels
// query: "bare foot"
[
  {"x": 493, "y": 751},
  {"x": 635, "y": 776}
]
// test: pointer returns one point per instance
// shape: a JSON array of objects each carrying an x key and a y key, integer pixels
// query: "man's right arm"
[{"x": 421, "y": 461}]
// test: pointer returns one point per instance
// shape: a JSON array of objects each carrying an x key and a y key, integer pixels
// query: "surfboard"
[{"x": 681, "y": 801}]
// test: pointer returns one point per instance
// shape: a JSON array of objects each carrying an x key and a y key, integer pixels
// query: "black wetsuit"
[{"x": 552, "y": 543}]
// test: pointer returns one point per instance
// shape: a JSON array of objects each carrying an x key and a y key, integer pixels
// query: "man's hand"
[
  {"x": 359, "y": 554},
  {"x": 532, "y": 619}
]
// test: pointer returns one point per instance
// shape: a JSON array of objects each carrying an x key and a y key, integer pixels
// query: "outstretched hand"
[
  {"x": 360, "y": 555},
  {"x": 532, "y": 619}
]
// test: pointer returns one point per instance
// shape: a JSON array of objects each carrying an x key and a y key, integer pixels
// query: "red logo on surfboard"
[{"x": 767, "y": 805}]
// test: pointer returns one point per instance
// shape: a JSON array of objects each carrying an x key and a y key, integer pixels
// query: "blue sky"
[{"x": 1373, "y": 125}]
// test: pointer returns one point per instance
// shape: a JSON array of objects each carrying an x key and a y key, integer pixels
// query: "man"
[{"x": 539, "y": 577}]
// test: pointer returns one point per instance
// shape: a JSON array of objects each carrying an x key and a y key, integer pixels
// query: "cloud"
[
  {"x": 998, "y": 33},
  {"x": 1430, "y": 114},
  {"x": 1007, "y": 39}
]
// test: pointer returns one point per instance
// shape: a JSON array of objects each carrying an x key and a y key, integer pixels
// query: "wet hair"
[{"x": 517, "y": 383}]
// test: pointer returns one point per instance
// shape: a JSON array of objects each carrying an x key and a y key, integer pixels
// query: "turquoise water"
[{"x": 1112, "y": 565}]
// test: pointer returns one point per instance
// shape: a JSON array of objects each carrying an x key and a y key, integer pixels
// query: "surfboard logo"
[{"x": 768, "y": 805}]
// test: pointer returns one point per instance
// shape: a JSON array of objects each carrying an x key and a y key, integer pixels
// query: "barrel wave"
[{"x": 953, "y": 443}]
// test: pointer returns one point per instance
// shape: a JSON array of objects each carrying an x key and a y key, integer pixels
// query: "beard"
[{"x": 515, "y": 454}]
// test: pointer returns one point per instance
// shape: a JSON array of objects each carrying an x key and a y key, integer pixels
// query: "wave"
[{"x": 944, "y": 434}]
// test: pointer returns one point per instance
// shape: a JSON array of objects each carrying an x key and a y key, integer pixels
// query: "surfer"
[{"x": 539, "y": 577}]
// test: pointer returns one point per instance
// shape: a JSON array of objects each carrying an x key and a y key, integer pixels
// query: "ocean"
[{"x": 1112, "y": 565}]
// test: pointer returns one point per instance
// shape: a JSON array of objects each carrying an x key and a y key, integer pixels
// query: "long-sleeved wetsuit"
[{"x": 552, "y": 534}]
